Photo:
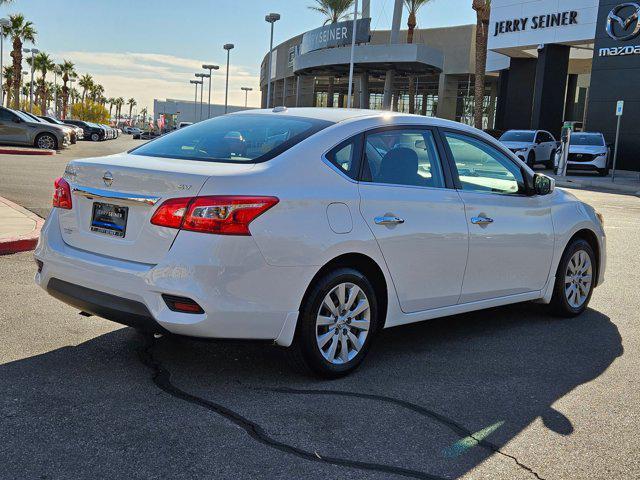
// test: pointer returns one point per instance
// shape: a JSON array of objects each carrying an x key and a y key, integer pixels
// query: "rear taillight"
[
  {"x": 62, "y": 194},
  {"x": 222, "y": 215},
  {"x": 171, "y": 213}
]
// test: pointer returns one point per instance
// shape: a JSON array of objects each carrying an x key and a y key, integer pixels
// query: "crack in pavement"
[
  {"x": 162, "y": 379},
  {"x": 451, "y": 424}
]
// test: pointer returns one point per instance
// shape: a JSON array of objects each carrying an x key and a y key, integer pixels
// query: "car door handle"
[
  {"x": 388, "y": 220},
  {"x": 481, "y": 220}
]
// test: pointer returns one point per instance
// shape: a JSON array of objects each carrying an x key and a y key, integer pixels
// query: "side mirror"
[
  {"x": 420, "y": 145},
  {"x": 543, "y": 185}
]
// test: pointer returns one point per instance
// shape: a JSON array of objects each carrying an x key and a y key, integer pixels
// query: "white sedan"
[{"x": 316, "y": 230}]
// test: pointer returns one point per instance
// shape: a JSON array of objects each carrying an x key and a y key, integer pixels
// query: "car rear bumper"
[{"x": 242, "y": 296}]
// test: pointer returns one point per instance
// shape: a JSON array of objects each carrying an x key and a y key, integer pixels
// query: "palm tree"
[
  {"x": 413, "y": 6},
  {"x": 86, "y": 83},
  {"x": 111, "y": 101},
  {"x": 333, "y": 10},
  {"x": 483, "y": 12},
  {"x": 42, "y": 63},
  {"x": 119, "y": 103},
  {"x": 143, "y": 112},
  {"x": 67, "y": 71},
  {"x": 8, "y": 86},
  {"x": 96, "y": 91},
  {"x": 132, "y": 103},
  {"x": 20, "y": 31}
]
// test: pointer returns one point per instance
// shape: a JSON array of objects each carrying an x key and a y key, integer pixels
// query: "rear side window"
[
  {"x": 346, "y": 156},
  {"x": 234, "y": 138}
]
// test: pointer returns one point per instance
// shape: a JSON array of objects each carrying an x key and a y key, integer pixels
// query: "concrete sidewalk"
[
  {"x": 625, "y": 182},
  {"x": 19, "y": 228}
]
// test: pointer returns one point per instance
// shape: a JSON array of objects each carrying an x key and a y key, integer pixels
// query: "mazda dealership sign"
[
  {"x": 335, "y": 35},
  {"x": 622, "y": 25}
]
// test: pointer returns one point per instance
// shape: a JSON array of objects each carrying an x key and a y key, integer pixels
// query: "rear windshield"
[
  {"x": 515, "y": 136},
  {"x": 242, "y": 138},
  {"x": 586, "y": 139}
]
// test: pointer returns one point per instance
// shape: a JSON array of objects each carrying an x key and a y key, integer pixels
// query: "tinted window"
[
  {"x": 6, "y": 115},
  {"x": 23, "y": 116},
  {"x": 482, "y": 168},
  {"x": 587, "y": 139},
  {"x": 546, "y": 137},
  {"x": 234, "y": 138},
  {"x": 402, "y": 157},
  {"x": 517, "y": 136},
  {"x": 346, "y": 156}
]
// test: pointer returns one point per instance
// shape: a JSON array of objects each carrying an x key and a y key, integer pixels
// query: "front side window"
[
  {"x": 6, "y": 116},
  {"x": 233, "y": 138},
  {"x": 483, "y": 168},
  {"x": 402, "y": 157}
]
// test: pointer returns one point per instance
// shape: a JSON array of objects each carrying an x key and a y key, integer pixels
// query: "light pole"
[
  {"x": 272, "y": 18},
  {"x": 4, "y": 22},
  {"x": 195, "y": 100},
  {"x": 211, "y": 68},
  {"x": 202, "y": 76},
  {"x": 228, "y": 47},
  {"x": 246, "y": 91},
  {"x": 353, "y": 48},
  {"x": 24, "y": 74},
  {"x": 33, "y": 51}
]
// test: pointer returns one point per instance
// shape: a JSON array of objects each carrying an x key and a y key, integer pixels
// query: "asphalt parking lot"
[{"x": 508, "y": 393}]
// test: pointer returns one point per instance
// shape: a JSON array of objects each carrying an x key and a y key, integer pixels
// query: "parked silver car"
[{"x": 16, "y": 128}]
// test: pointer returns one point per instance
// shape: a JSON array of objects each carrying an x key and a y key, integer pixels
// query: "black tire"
[
  {"x": 560, "y": 305},
  {"x": 531, "y": 159},
  {"x": 551, "y": 162},
  {"x": 305, "y": 354},
  {"x": 603, "y": 172},
  {"x": 95, "y": 137},
  {"x": 46, "y": 141}
]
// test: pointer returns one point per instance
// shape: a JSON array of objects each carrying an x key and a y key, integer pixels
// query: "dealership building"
[{"x": 549, "y": 61}]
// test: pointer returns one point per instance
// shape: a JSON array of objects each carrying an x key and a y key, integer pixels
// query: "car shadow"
[{"x": 432, "y": 400}]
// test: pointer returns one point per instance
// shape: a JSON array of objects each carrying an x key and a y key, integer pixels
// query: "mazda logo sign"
[
  {"x": 614, "y": 18},
  {"x": 107, "y": 178}
]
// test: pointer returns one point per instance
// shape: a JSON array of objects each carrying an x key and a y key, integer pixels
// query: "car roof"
[{"x": 337, "y": 115}]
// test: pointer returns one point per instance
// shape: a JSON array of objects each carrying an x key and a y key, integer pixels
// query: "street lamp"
[
  {"x": 202, "y": 76},
  {"x": 210, "y": 68},
  {"x": 33, "y": 52},
  {"x": 195, "y": 101},
  {"x": 4, "y": 23},
  {"x": 272, "y": 18},
  {"x": 72, "y": 80},
  {"x": 246, "y": 91},
  {"x": 24, "y": 74},
  {"x": 228, "y": 47}
]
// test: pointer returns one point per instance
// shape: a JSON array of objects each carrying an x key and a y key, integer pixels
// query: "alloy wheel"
[
  {"x": 46, "y": 142},
  {"x": 342, "y": 323},
  {"x": 578, "y": 279}
]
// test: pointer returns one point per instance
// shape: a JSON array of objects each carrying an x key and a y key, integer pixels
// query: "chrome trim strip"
[{"x": 129, "y": 198}]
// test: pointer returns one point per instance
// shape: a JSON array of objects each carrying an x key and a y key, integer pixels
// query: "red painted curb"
[
  {"x": 22, "y": 243},
  {"x": 19, "y": 151}
]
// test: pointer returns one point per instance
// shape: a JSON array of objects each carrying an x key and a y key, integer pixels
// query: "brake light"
[
  {"x": 62, "y": 194},
  {"x": 221, "y": 215},
  {"x": 171, "y": 213}
]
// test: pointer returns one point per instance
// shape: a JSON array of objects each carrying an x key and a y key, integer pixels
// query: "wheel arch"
[
  {"x": 591, "y": 238},
  {"x": 368, "y": 267}
]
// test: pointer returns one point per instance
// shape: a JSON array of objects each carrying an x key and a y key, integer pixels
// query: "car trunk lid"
[{"x": 106, "y": 190}]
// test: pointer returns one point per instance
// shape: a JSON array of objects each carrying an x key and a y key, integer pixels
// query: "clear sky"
[{"x": 150, "y": 49}]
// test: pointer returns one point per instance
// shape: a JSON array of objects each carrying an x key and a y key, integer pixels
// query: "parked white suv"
[
  {"x": 316, "y": 230},
  {"x": 531, "y": 146},
  {"x": 588, "y": 151}
]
